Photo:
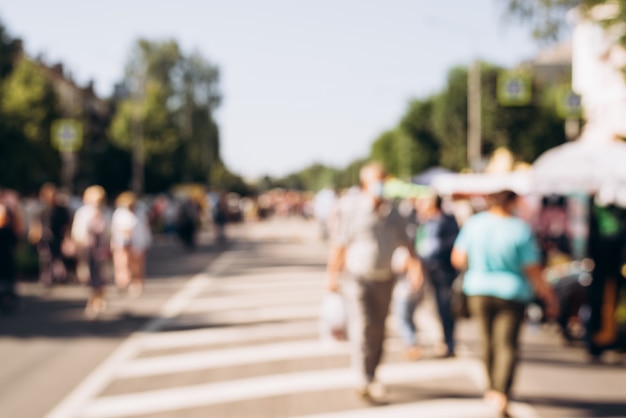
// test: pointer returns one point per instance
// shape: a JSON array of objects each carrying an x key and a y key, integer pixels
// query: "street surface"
[{"x": 232, "y": 331}]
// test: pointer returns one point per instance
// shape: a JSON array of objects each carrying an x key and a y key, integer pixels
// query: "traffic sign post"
[
  {"x": 569, "y": 103},
  {"x": 514, "y": 88},
  {"x": 67, "y": 135}
]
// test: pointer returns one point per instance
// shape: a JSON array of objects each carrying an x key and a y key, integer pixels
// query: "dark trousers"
[
  {"x": 442, "y": 286},
  {"x": 443, "y": 296},
  {"x": 368, "y": 306},
  {"x": 51, "y": 264},
  {"x": 500, "y": 322}
]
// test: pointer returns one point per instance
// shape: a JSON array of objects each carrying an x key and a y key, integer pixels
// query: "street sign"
[
  {"x": 514, "y": 88},
  {"x": 67, "y": 135},
  {"x": 569, "y": 103}
]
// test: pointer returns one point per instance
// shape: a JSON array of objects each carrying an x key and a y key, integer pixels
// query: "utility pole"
[{"x": 474, "y": 127}]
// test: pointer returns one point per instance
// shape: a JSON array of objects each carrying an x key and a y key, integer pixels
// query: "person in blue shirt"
[{"x": 502, "y": 267}]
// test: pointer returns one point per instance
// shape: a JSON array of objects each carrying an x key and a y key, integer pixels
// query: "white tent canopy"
[
  {"x": 483, "y": 184},
  {"x": 595, "y": 167}
]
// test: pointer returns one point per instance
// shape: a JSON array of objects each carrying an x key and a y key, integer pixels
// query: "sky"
[{"x": 303, "y": 81}]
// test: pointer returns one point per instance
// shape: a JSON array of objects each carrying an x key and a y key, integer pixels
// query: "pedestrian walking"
[
  {"x": 435, "y": 236},
  {"x": 323, "y": 205},
  {"x": 49, "y": 229},
  {"x": 90, "y": 232},
  {"x": 188, "y": 217},
  {"x": 130, "y": 239},
  {"x": 405, "y": 300},
  {"x": 369, "y": 229},
  {"x": 502, "y": 263},
  {"x": 8, "y": 245},
  {"x": 220, "y": 218}
]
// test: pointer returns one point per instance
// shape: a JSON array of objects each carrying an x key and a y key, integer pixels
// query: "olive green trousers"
[{"x": 500, "y": 322}]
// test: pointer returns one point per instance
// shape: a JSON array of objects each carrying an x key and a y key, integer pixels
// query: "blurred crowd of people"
[
  {"x": 75, "y": 241},
  {"x": 385, "y": 255},
  {"x": 494, "y": 262},
  {"x": 95, "y": 239}
]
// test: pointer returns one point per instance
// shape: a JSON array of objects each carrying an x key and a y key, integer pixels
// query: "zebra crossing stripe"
[
  {"x": 244, "y": 287},
  {"x": 440, "y": 408},
  {"x": 166, "y": 400},
  {"x": 103, "y": 374},
  {"x": 229, "y": 357},
  {"x": 227, "y": 302},
  {"x": 240, "y": 334},
  {"x": 247, "y": 316}
]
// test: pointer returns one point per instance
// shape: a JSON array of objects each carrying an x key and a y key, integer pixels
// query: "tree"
[
  {"x": 417, "y": 123},
  {"x": 9, "y": 50},
  {"x": 349, "y": 176},
  {"x": 548, "y": 17},
  {"x": 433, "y": 131},
  {"x": 449, "y": 120},
  {"x": 386, "y": 151},
  {"x": 27, "y": 109},
  {"x": 173, "y": 96}
]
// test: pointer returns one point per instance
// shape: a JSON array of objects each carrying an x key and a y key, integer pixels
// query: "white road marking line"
[
  {"x": 97, "y": 380},
  {"x": 240, "y": 334},
  {"x": 249, "y": 316},
  {"x": 229, "y": 357},
  {"x": 257, "y": 286},
  {"x": 160, "y": 401},
  {"x": 226, "y": 302},
  {"x": 440, "y": 408},
  {"x": 291, "y": 273}
]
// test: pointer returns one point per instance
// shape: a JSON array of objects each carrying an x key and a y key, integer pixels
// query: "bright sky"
[{"x": 303, "y": 80}]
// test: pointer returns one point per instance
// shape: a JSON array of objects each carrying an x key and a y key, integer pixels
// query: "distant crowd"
[{"x": 95, "y": 239}]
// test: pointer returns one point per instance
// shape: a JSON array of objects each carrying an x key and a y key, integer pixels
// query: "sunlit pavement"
[{"x": 240, "y": 339}]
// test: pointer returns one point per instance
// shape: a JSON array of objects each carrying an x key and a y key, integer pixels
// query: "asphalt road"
[{"x": 234, "y": 333}]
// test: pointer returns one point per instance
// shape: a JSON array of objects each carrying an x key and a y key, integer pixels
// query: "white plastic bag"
[{"x": 333, "y": 318}]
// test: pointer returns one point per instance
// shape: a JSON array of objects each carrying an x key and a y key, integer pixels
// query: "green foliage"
[
  {"x": 417, "y": 123},
  {"x": 27, "y": 100},
  {"x": 27, "y": 108},
  {"x": 316, "y": 177},
  {"x": 436, "y": 127},
  {"x": 349, "y": 176},
  {"x": 547, "y": 18},
  {"x": 449, "y": 120},
  {"x": 158, "y": 128},
  {"x": 386, "y": 151},
  {"x": 312, "y": 178},
  {"x": 9, "y": 48},
  {"x": 229, "y": 181},
  {"x": 170, "y": 107}
]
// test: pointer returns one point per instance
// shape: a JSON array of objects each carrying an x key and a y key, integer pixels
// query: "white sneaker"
[
  {"x": 372, "y": 391},
  {"x": 376, "y": 389}
]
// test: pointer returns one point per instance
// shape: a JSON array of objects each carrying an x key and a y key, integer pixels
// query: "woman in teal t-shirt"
[{"x": 502, "y": 263}]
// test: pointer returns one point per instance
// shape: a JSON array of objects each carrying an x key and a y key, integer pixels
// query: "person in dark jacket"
[
  {"x": 434, "y": 240},
  {"x": 8, "y": 244},
  {"x": 51, "y": 226}
]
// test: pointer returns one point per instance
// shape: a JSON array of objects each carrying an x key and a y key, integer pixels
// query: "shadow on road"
[
  {"x": 594, "y": 409},
  {"x": 39, "y": 317},
  {"x": 59, "y": 312}
]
